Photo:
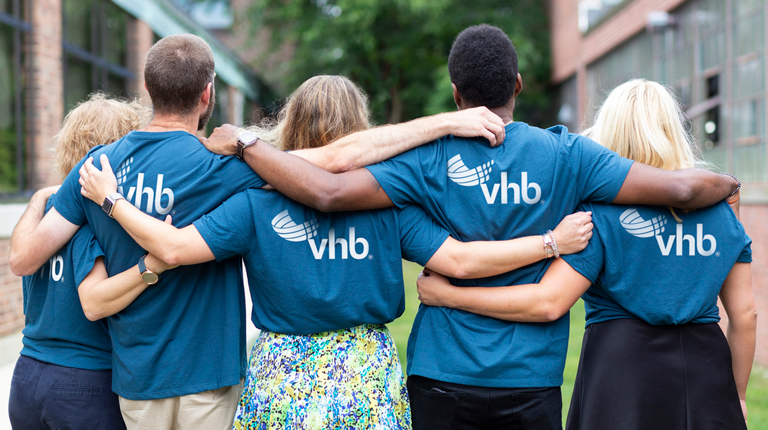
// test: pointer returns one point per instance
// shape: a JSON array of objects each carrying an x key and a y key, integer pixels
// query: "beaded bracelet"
[
  {"x": 737, "y": 181},
  {"x": 550, "y": 245},
  {"x": 554, "y": 244}
]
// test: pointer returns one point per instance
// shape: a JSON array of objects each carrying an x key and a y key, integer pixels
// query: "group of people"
[{"x": 118, "y": 336}]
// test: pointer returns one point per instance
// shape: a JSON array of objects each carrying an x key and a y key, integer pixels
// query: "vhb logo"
[
  {"x": 136, "y": 194},
  {"x": 57, "y": 267},
  {"x": 286, "y": 228},
  {"x": 459, "y": 173},
  {"x": 635, "y": 225}
]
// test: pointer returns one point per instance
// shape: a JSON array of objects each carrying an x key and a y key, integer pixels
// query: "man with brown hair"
[{"x": 179, "y": 349}]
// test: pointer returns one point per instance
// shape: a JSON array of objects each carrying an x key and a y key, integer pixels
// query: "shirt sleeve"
[
  {"x": 420, "y": 236},
  {"x": 589, "y": 262},
  {"x": 600, "y": 172},
  {"x": 85, "y": 251},
  {"x": 402, "y": 177},
  {"x": 746, "y": 253},
  {"x": 70, "y": 203},
  {"x": 237, "y": 175},
  {"x": 229, "y": 229}
]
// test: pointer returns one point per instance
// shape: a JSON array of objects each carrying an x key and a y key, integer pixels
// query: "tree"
[{"x": 397, "y": 50}]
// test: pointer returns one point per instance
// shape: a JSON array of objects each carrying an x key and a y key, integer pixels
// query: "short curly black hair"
[{"x": 483, "y": 66}]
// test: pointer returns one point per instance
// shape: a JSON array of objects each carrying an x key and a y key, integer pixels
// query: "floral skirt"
[{"x": 345, "y": 379}]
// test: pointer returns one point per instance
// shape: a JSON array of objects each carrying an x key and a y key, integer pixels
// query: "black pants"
[
  {"x": 46, "y": 396},
  {"x": 443, "y": 405}
]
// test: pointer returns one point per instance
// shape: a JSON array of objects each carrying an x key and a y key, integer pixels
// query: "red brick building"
[
  {"x": 712, "y": 53},
  {"x": 53, "y": 53}
]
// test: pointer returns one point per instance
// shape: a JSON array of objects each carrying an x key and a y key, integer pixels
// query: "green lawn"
[{"x": 757, "y": 393}]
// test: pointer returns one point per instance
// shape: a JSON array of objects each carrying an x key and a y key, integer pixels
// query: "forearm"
[
  {"x": 109, "y": 296},
  {"x": 25, "y": 258},
  {"x": 172, "y": 245},
  {"x": 741, "y": 340},
  {"x": 377, "y": 144},
  {"x": 313, "y": 186},
  {"x": 687, "y": 188},
  {"x": 522, "y": 303},
  {"x": 480, "y": 259}
]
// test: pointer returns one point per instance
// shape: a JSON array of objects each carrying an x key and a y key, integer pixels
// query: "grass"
[{"x": 757, "y": 391}]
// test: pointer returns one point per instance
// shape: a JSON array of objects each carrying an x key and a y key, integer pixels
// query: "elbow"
[
  {"x": 171, "y": 256},
  {"x": 91, "y": 310},
  {"x": 686, "y": 192},
  {"x": 328, "y": 200},
  {"x": 20, "y": 265},
  {"x": 460, "y": 269},
  {"x": 552, "y": 311}
]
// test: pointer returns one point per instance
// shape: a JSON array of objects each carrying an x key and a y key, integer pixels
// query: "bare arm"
[
  {"x": 487, "y": 258},
  {"x": 546, "y": 301},
  {"x": 381, "y": 143},
  {"x": 36, "y": 237},
  {"x": 739, "y": 303},
  {"x": 102, "y": 296},
  {"x": 686, "y": 188},
  {"x": 173, "y": 245}
]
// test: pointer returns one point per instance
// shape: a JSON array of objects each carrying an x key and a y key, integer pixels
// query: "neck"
[
  {"x": 505, "y": 113},
  {"x": 172, "y": 123}
]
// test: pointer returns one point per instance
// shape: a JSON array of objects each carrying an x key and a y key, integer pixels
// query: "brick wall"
[
  {"x": 140, "y": 39},
  {"x": 47, "y": 92},
  {"x": 11, "y": 315}
]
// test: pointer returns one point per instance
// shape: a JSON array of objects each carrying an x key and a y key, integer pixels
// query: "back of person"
[
  {"x": 652, "y": 267},
  {"x": 524, "y": 187},
  {"x": 312, "y": 272},
  {"x": 195, "y": 314}
]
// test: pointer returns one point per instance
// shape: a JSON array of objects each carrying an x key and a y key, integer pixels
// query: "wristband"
[{"x": 737, "y": 181}]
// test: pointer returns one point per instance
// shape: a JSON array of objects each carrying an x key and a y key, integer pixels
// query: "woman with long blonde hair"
[
  {"x": 324, "y": 284},
  {"x": 653, "y": 355}
]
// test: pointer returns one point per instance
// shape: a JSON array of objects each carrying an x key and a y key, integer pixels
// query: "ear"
[
  {"x": 206, "y": 97},
  {"x": 145, "y": 86},
  {"x": 456, "y": 96},
  {"x": 518, "y": 85}
]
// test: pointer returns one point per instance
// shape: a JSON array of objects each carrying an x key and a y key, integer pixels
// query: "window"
[
  {"x": 13, "y": 34},
  {"x": 95, "y": 49}
]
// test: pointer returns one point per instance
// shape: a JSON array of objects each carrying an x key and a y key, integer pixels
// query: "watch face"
[
  {"x": 149, "y": 277},
  {"x": 107, "y": 206},
  {"x": 247, "y": 137}
]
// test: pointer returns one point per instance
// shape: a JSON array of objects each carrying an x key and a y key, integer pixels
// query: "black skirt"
[{"x": 633, "y": 375}]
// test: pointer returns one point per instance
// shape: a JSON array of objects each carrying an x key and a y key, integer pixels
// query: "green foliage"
[{"x": 396, "y": 50}]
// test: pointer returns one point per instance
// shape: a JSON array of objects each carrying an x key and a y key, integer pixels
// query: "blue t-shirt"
[
  {"x": 55, "y": 328},
  {"x": 524, "y": 187},
  {"x": 644, "y": 264},
  {"x": 311, "y": 271},
  {"x": 185, "y": 334}
]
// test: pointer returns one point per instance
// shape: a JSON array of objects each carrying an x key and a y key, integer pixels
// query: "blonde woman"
[
  {"x": 653, "y": 355},
  {"x": 324, "y": 285},
  {"x": 63, "y": 377}
]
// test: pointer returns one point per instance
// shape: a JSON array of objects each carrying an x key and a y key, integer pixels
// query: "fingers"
[
  {"x": 105, "y": 162},
  {"x": 168, "y": 219}
]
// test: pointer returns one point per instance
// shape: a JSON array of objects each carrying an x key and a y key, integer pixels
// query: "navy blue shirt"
[
  {"x": 523, "y": 187},
  {"x": 644, "y": 264},
  {"x": 55, "y": 328},
  {"x": 311, "y": 271},
  {"x": 185, "y": 334}
]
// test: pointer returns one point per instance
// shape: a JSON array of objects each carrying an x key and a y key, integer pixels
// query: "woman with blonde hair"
[
  {"x": 653, "y": 355},
  {"x": 324, "y": 284},
  {"x": 63, "y": 378}
]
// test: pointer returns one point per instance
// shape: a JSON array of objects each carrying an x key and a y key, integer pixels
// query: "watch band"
[
  {"x": 109, "y": 203},
  {"x": 245, "y": 139},
  {"x": 147, "y": 275}
]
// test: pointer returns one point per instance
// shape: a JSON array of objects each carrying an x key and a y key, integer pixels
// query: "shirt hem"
[
  {"x": 489, "y": 383},
  {"x": 176, "y": 392}
]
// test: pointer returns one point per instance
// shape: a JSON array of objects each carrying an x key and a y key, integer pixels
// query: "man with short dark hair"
[
  {"x": 469, "y": 371},
  {"x": 179, "y": 352}
]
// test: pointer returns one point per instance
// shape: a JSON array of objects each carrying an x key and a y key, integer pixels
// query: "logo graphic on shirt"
[
  {"x": 635, "y": 225},
  {"x": 57, "y": 267},
  {"x": 459, "y": 173},
  {"x": 154, "y": 197},
  {"x": 289, "y": 230}
]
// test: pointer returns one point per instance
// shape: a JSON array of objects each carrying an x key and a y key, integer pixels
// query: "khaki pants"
[{"x": 209, "y": 410}]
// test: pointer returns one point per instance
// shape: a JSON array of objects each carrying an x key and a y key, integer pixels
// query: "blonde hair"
[
  {"x": 99, "y": 120},
  {"x": 641, "y": 120},
  {"x": 323, "y": 109}
]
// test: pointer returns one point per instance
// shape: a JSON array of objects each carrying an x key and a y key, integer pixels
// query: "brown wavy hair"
[
  {"x": 323, "y": 109},
  {"x": 100, "y": 120}
]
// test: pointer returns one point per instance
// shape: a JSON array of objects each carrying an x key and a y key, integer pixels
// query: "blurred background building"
[{"x": 712, "y": 53}]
